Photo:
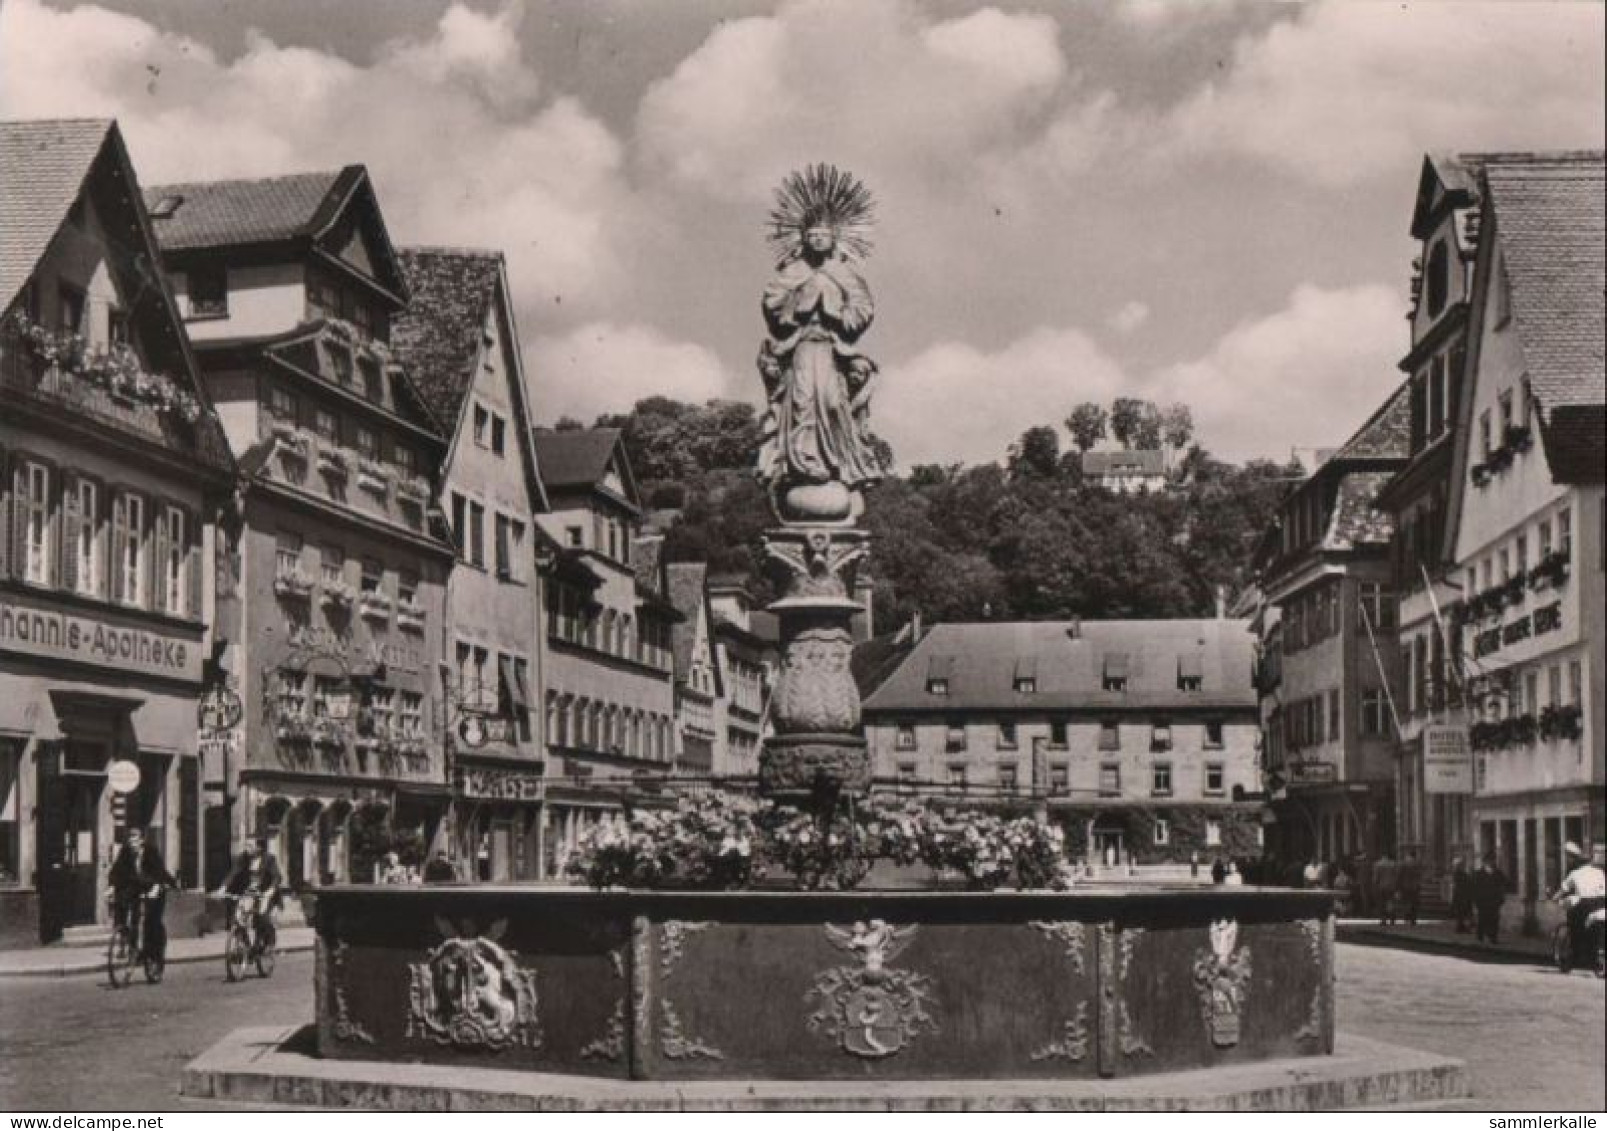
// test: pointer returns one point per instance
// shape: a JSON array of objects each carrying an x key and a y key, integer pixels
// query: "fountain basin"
[{"x": 825, "y": 985}]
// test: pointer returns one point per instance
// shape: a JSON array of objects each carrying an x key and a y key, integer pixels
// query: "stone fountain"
[{"x": 1045, "y": 989}]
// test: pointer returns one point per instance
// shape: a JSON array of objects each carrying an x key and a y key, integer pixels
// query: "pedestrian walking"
[
  {"x": 1461, "y": 895},
  {"x": 1489, "y": 889},
  {"x": 1219, "y": 871},
  {"x": 1409, "y": 883},
  {"x": 1385, "y": 877}
]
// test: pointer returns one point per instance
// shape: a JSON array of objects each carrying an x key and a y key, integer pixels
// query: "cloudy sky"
[{"x": 1205, "y": 201}]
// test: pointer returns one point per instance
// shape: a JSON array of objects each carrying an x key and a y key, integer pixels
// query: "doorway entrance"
[
  {"x": 72, "y": 790},
  {"x": 1110, "y": 848}
]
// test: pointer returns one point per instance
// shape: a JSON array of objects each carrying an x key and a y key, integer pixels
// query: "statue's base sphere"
[
  {"x": 800, "y": 766},
  {"x": 816, "y": 502}
]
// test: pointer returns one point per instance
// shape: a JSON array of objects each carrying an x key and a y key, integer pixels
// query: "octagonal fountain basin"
[{"x": 825, "y": 985}]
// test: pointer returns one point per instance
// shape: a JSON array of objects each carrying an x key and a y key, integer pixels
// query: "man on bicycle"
[
  {"x": 1583, "y": 890},
  {"x": 137, "y": 874},
  {"x": 256, "y": 873}
]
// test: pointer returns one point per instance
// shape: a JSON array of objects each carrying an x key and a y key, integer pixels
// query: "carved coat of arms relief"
[
  {"x": 471, "y": 992},
  {"x": 869, "y": 1009}
]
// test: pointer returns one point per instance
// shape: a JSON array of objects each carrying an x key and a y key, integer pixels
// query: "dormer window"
[
  {"x": 1115, "y": 674},
  {"x": 938, "y": 673},
  {"x": 1190, "y": 672},
  {"x": 168, "y": 205},
  {"x": 1025, "y": 679},
  {"x": 937, "y": 687}
]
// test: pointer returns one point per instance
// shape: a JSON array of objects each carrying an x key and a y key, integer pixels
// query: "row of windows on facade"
[
  {"x": 1433, "y": 398},
  {"x": 394, "y": 713},
  {"x": 610, "y": 536},
  {"x": 1518, "y": 690},
  {"x": 1306, "y": 723},
  {"x": 283, "y": 404},
  {"x": 508, "y": 542},
  {"x": 590, "y": 724},
  {"x": 1006, "y": 735},
  {"x": 291, "y": 553},
  {"x": 1007, "y": 777},
  {"x": 70, "y": 531},
  {"x": 1113, "y": 677},
  {"x": 1512, "y": 559},
  {"x": 206, "y": 287},
  {"x": 1316, "y": 614},
  {"x": 574, "y": 620}
]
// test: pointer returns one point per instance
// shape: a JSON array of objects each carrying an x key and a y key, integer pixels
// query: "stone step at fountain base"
[{"x": 257, "y": 1067}]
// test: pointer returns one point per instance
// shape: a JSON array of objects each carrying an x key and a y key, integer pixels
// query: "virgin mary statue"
[{"x": 817, "y": 454}]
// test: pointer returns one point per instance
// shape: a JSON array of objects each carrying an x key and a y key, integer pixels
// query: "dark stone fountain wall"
[{"x": 825, "y": 985}]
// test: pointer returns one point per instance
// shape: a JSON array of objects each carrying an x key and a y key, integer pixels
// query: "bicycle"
[
  {"x": 245, "y": 945},
  {"x": 126, "y": 949}
]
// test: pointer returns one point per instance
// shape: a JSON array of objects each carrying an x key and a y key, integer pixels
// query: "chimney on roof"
[
  {"x": 915, "y": 627},
  {"x": 1221, "y": 602},
  {"x": 1074, "y": 629}
]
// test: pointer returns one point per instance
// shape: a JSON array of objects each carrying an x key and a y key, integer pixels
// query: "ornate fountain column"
[{"x": 816, "y": 458}]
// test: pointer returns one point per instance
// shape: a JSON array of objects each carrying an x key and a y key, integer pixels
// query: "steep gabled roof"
[
  {"x": 1387, "y": 434},
  {"x": 300, "y": 209},
  {"x": 580, "y": 459},
  {"x": 45, "y": 166},
  {"x": 1356, "y": 522},
  {"x": 690, "y": 596},
  {"x": 439, "y": 336},
  {"x": 980, "y": 663},
  {"x": 1550, "y": 218}
]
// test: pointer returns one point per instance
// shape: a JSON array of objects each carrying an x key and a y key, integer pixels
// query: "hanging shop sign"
[
  {"x": 218, "y": 710},
  {"x": 1447, "y": 760},
  {"x": 122, "y": 776}
]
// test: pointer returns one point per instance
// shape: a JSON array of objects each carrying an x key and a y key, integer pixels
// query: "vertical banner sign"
[{"x": 1447, "y": 760}]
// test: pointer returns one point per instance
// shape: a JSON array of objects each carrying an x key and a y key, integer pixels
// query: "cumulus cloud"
[
  {"x": 1347, "y": 91},
  {"x": 1129, "y": 317},
  {"x": 540, "y": 180},
  {"x": 1303, "y": 376},
  {"x": 604, "y": 367},
  {"x": 953, "y": 402}
]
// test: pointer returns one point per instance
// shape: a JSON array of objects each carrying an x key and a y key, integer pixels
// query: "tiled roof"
[
  {"x": 1355, "y": 521},
  {"x": 1137, "y": 461},
  {"x": 1551, "y": 216},
  {"x": 687, "y": 595},
  {"x": 577, "y": 458},
  {"x": 1575, "y": 439},
  {"x": 438, "y": 337},
  {"x": 45, "y": 165},
  {"x": 980, "y": 661},
  {"x": 1387, "y": 433},
  {"x": 265, "y": 210}
]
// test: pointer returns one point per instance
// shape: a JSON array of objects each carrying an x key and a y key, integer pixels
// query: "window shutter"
[
  {"x": 119, "y": 546},
  {"x": 71, "y": 520},
  {"x": 192, "y": 526},
  {"x": 19, "y": 518},
  {"x": 163, "y": 542}
]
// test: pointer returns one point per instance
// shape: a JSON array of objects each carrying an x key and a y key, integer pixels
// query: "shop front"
[
  {"x": 83, "y": 694},
  {"x": 498, "y": 808}
]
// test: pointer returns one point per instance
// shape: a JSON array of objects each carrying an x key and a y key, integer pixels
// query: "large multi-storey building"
[
  {"x": 112, "y": 466},
  {"x": 1138, "y": 736},
  {"x": 332, "y": 582},
  {"x": 608, "y": 670},
  {"x": 1329, "y": 654},
  {"x": 1526, "y": 516},
  {"x": 458, "y": 344},
  {"x": 1431, "y": 808},
  {"x": 746, "y": 659}
]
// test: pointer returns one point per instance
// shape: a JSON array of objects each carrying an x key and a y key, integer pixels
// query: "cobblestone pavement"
[{"x": 1532, "y": 1038}]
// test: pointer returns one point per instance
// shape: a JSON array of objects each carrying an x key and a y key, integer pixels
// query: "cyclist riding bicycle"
[
  {"x": 138, "y": 874},
  {"x": 1585, "y": 888},
  {"x": 256, "y": 873}
]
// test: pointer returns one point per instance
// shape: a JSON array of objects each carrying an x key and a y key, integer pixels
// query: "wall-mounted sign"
[
  {"x": 219, "y": 709},
  {"x": 1447, "y": 760},
  {"x": 352, "y": 653},
  {"x": 39, "y": 630},
  {"x": 1312, "y": 773},
  {"x": 122, "y": 776}
]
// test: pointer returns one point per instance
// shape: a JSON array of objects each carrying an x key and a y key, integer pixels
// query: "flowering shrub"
[
  {"x": 704, "y": 842},
  {"x": 719, "y": 842},
  {"x": 116, "y": 369}
]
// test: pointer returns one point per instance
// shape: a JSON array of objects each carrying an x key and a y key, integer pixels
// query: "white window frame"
[{"x": 133, "y": 550}]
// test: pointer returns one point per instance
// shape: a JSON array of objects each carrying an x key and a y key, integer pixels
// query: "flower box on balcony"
[
  {"x": 337, "y": 595},
  {"x": 332, "y": 461},
  {"x": 292, "y": 728},
  {"x": 292, "y": 585},
  {"x": 413, "y": 489},
  {"x": 1551, "y": 569},
  {"x": 373, "y": 476},
  {"x": 116, "y": 370},
  {"x": 1562, "y": 722},
  {"x": 374, "y": 604},
  {"x": 328, "y": 732},
  {"x": 1518, "y": 439}
]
